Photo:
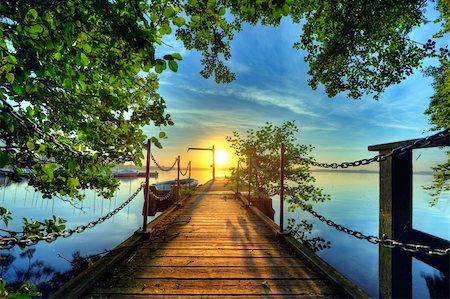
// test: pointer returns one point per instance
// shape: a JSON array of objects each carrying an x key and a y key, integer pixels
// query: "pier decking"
[{"x": 213, "y": 246}]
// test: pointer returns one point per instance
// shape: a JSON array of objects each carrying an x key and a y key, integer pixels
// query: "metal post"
[
  {"x": 189, "y": 166},
  {"x": 249, "y": 178},
  {"x": 237, "y": 177},
  {"x": 178, "y": 180},
  {"x": 282, "y": 150},
  {"x": 213, "y": 163},
  {"x": 146, "y": 190}
]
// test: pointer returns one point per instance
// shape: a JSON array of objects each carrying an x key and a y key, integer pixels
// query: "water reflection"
[
  {"x": 354, "y": 204},
  {"x": 438, "y": 285},
  {"x": 46, "y": 278},
  {"x": 49, "y": 265}
]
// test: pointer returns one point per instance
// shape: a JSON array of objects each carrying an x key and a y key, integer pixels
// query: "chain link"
[
  {"x": 375, "y": 240},
  {"x": 419, "y": 143},
  {"x": 186, "y": 171},
  {"x": 10, "y": 242},
  {"x": 26, "y": 123},
  {"x": 162, "y": 168},
  {"x": 165, "y": 197}
]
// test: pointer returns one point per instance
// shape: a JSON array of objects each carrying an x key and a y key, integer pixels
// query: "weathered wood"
[
  {"x": 261, "y": 287},
  {"x": 395, "y": 276},
  {"x": 232, "y": 253},
  {"x": 445, "y": 141}
]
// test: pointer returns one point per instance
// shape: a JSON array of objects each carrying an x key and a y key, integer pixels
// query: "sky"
[{"x": 271, "y": 86}]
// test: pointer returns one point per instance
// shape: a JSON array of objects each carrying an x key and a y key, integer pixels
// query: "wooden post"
[
  {"x": 249, "y": 179},
  {"x": 395, "y": 273},
  {"x": 213, "y": 164},
  {"x": 282, "y": 150},
  {"x": 189, "y": 175},
  {"x": 178, "y": 180},
  {"x": 395, "y": 276},
  {"x": 146, "y": 190},
  {"x": 237, "y": 177}
]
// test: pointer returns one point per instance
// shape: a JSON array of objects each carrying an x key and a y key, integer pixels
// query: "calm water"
[{"x": 354, "y": 204}]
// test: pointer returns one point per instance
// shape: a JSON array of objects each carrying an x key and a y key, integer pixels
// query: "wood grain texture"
[{"x": 215, "y": 247}]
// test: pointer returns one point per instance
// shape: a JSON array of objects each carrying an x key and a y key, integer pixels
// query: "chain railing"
[
  {"x": 419, "y": 143},
  {"x": 410, "y": 247},
  {"x": 159, "y": 198},
  {"x": 26, "y": 123},
  {"x": 187, "y": 169},
  {"x": 164, "y": 168},
  {"x": 10, "y": 242}
]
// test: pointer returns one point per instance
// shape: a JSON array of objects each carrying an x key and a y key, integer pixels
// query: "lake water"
[{"x": 354, "y": 204}]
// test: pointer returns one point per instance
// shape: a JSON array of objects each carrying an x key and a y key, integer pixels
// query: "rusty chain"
[
  {"x": 26, "y": 123},
  {"x": 162, "y": 168},
  {"x": 167, "y": 196},
  {"x": 186, "y": 171},
  {"x": 10, "y": 242},
  {"x": 419, "y": 143},
  {"x": 428, "y": 250}
]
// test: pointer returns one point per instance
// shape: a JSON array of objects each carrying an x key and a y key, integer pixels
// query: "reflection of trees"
[
  {"x": 302, "y": 231},
  {"x": 46, "y": 278},
  {"x": 438, "y": 285}
]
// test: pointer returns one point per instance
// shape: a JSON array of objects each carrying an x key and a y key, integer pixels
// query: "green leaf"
[
  {"x": 161, "y": 134},
  {"x": 30, "y": 145},
  {"x": 30, "y": 111},
  {"x": 87, "y": 48},
  {"x": 173, "y": 65},
  {"x": 35, "y": 29},
  {"x": 160, "y": 66},
  {"x": 169, "y": 12},
  {"x": 11, "y": 59},
  {"x": 57, "y": 56},
  {"x": 10, "y": 77},
  {"x": 179, "y": 21},
  {"x": 4, "y": 159},
  {"x": 31, "y": 15},
  {"x": 84, "y": 60},
  {"x": 73, "y": 182},
  {"x": 67, "y": 82},
  {"x": 177, "y": 56}
]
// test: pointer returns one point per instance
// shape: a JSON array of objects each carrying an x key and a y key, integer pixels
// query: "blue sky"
[{"x": 271, "y": 86}]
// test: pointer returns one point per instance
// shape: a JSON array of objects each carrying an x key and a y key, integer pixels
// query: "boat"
[
  {"x": 153, "y": 174},
  {"x": 125, "y": 173},
  {"x": 184, "y": 184}
]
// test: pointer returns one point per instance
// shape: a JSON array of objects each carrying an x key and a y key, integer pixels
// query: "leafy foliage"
[
  {"x": 86, "y": 71},
  {"x": 261, "y": 148}
]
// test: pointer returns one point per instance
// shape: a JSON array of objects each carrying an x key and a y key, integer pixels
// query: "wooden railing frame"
[{"x": 396, "y": 222}]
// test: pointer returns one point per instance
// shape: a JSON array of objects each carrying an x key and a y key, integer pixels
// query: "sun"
[{"x": 221, "y": 157}]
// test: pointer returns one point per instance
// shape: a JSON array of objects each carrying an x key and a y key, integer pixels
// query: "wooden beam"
[
  {"x": 445, "y": 141},
  {"x": 395, "y": 274}
]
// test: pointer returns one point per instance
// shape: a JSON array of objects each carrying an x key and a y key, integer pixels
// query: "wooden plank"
[
  {"x": 216, "y": 252},
  {"x": 297, "y": 287},
  {"x": 215, "y": 296},
  {"x": 213, "y": 246},
  {"x": 203, "y": 261},
  {"x": 129, "y": 273}
]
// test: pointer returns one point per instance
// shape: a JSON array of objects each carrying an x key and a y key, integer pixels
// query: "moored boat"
[
  {"x": 184, "y": 183},
  {"x": 125, "y": 173}
]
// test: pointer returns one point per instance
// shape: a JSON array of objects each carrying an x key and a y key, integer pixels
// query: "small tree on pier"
[{"x": 260, "y": 150}]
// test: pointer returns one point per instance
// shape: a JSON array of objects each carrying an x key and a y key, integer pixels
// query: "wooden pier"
[{"x": 212, "y": 246}]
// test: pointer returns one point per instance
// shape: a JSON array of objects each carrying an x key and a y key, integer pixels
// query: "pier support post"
[
  {"x": 213, "y": 163},
  {"x": 249, "y": 179},
  {"x": 178, "y": 180},
  {"x": 282, "y": 151},
  {"x": 146, "y": 190},
  {"x": 395, "y": 265}
]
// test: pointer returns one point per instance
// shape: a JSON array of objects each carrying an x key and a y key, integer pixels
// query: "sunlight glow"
[{"x": 221, "y": 157}]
